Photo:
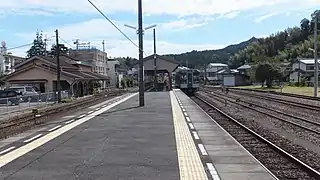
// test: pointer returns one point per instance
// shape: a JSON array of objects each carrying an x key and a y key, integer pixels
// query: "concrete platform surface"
[
  {"x": 120, "y": 142},
  {"x": 229, "y": 160}
]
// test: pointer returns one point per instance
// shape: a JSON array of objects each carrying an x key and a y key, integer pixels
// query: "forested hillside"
[
  {"x": 283, "y": 46},
  {"x": 199, "y": 58}
]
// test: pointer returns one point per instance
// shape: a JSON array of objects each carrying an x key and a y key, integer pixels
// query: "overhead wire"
[
  {"x": 65, "y": 41},
  {"x": 115, "y": 26},
  {"x": 24, "y": 45}
]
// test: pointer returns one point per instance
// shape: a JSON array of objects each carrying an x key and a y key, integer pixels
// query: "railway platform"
[{"x": 169, "y": 138}]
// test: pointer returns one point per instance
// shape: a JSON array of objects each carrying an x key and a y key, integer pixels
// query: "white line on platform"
[
  {"x": 69, "y": 121},
  {"x": 83, "y": 115},
  {"x": 191, "y": 126},
  {"x": 90, "y": 112},
  {"x": 16, "y": 153},
  {"x": 7, "y": 150},
  {"x": 202, "y": 149},
  {"x": 213, "y": 171},
  {"x": 52, "y": 129},
  {"x": 188, "y": 119},
  {"x": 195, "y": 134},
  {"x": 185, "y": 114},
  {"x": 33, "y": 138}
]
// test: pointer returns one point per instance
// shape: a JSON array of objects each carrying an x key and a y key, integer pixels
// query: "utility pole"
[
  {"x": 315, "y": 55},
  {"x": 140, "y": 32},
  {"x": 103, "y": 46},
  {"x": 58, "y": 66},
  {"x": 205, "y": 74},
  {"x": 155, "y": 60}
]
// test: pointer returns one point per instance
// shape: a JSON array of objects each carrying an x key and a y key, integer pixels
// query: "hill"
[
  {"x": 283, "y": 46},
  {"x": 199, "y": 58}
]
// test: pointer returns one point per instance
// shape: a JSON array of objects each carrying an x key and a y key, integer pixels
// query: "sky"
[{"x": 181, "y": 25}]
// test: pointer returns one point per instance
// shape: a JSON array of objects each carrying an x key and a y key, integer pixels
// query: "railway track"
[
  {"x": 281, "y": 163},
  {"x": 270, "y": 98},
  {"x": 303, "y": 123}
]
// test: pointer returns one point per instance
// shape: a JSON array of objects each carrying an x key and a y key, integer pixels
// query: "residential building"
[
  {"x": 212, "y": 72},
  {"x": 244, "y": 69},
  {"x": 112, "y": 72},
  {"x": 303, "y": 68},
  {"x": 41, "y": 72},
  {"x": 94, "y": 57},
  {"x": 8, "y": 61}
]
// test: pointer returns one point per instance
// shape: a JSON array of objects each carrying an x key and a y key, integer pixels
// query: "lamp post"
[
  {"x": 315, "y": 18},
  {"x": 154, "y": 46}
]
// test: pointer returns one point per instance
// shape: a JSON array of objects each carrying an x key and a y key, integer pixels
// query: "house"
[
  {"x": 232, "y": 77},
  {"x": 302, "y": 68},
  {"x": 212, "y": 72},
  {"x": 41, "y": 72},
  {"x": 97, "y": 59},
  {"x": 244, "y": 69}
]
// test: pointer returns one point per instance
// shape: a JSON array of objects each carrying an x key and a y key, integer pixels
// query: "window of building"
[
  {"x": 29, "y": 89},
  {"x": 310, "y": 67}
]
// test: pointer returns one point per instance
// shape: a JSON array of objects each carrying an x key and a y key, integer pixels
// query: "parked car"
[
  {"x": 28, "y": 93},
  {"x": 10, "y": 97}
]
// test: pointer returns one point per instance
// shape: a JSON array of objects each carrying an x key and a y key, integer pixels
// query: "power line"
[
  {"x": 115, "y": 26},
  {"x": 21, "y": 46},
  {"x": 24, "y": 45},
  {"x": 65, "y": 42}
]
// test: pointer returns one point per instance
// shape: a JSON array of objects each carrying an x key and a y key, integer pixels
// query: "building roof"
[
  {"x": 228, "y": 71},
  {"x": 307, "y": 61},
  {"x": 217, "y": 65},
  {"x": 160, "y": 57},
  {"x": 68, "y": 69},
  {"x": 245, "y": 66}
]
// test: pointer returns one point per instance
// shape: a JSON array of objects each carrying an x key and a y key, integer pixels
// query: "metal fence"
[{"x": 16, "y": 105}]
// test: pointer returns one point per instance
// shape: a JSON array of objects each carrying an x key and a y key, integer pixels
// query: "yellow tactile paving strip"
[{"x": 190, "y": 165}]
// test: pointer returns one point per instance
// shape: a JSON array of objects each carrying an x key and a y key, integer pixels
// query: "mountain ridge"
[{"x": 200, "y": 58}]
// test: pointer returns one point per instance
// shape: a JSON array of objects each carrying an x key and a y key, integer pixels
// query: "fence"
[{"x": 13, "y": 106}]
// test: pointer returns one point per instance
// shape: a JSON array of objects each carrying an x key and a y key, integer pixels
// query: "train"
[{"x": 186, "y": 79}]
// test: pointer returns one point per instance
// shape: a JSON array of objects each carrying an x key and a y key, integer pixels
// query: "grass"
[{"x": 308, "y": 91}]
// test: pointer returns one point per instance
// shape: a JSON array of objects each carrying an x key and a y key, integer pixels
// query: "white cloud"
[
  {"x": 184, "y": 24},
  {"x": 266, "y": 16},
  {"x": 97, "y": 30},
  {"x": 172, "y": 7},
  {"x": 123, "y": 48}
]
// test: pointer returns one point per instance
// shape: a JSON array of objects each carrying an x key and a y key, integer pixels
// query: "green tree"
[
  {"x": 267, "y": 73},
  {"x": 38, "y": 47},
  {"x": 63, "y": 50}
]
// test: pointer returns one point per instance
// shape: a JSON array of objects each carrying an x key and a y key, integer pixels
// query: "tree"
[
  {"x": 63, "y": 50},
  {"x": 267, "y": 73},
  {"x": 38, "y": 47}
]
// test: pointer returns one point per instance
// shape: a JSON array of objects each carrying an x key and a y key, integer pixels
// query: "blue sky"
[{"x": 182, "y": 25}]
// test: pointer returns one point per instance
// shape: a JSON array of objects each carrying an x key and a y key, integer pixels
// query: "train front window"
[
  {"x": 196, "y": 79},
  {"x": 184, "y": 78}
]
